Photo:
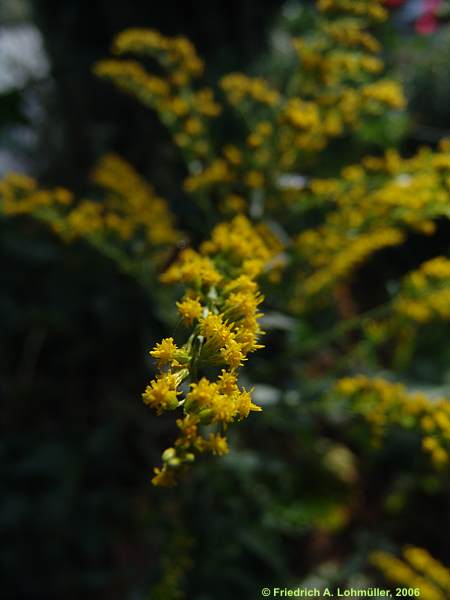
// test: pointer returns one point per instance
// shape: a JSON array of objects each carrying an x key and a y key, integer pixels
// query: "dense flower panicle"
[
  {"x": 131, "y": 77},
  {"x": 88, "y": 219},
  {"x": 216, "y": 172},
  {"x": 301, "y": 114},
  {"x": 375, "y": 205},
  {"x": 373, "y": 9},
  {"x": 343, "y": 262},
  {"x": 347, "y": 31},
  {"x": 242, "y": 304},
  {"x": 190, "y": 309},
  {"x": 177, "y": 51},
  {"x": 216, "y": 332},
  {"x": 244, "y": 245},
  {"x": 424, "y": 295},
  {"x": 166, "y": 353},
  {"x": 422, "y": 299},
  {"x": 421, "y": 560},
  {"x": 20, "y": 194},
  {"x": 192, "y": 268},
  {"x": 218, "y": 444},
  {"x": 130, "y": 209},
  {"x": 232, "y": 355},
  {"x": 134, "y": 201},
  {"x": 238, "y": 87},
  {"x": 417, "y": 570},
  {"x": 183, "y": 109},
  {"x": 384, "y": 92},
  {"x": 338, "y": 83},
  {"x": 161, "y": 394},
  {"x": 227, "y": 383},
  {"x": 220, "y": 307},
  {"x": 340, "y": 61},
  {"x": 385, "y": 405}
]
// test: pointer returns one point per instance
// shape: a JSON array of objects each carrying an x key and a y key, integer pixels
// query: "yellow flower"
[
  {"x": 216, "y": 172},
  {"x": 193, "y": 126},
  {"x": 188, "y": 427},
  {"x": 201, "y": 394},
  {"x": 161, "y": 394},
  {"x": 133, "y": 202},
  {"x": 242, "y": 304},
  {"x": 192, "y": 268},
  {"x": 221, "y": 307},
  {"x": 20, "y": 194},
  {"x": 303, "y": 115},
  {"x": 440, "y": 457},
  {"x": 178, "y": 106},
  {"x": 164, "y": 477},
  {"x": 217, "y": 332},
  {"x": 384, "y": 404},
  {"x": 234, "y": 203},
  {"x": 232, "y": 154},
  {"x": 419, "y": 571},
  {"x": 217, "y": 444},
  {"x": 223, "y": 409},
  {"x": 243, "y": 283},
  {"x": 190, "y": 309},
  {"x": 245, "y": 404},
  {"x": 227, "y": 383},
  {"x": 422, "y": 560},
  {"x": 385, "y": 91},
  {"x": 232, "y": 354},
  {"x": 238, "y": 88},
  {"x": 254, "y": 179},
  {"x": 166, "y": 352}
]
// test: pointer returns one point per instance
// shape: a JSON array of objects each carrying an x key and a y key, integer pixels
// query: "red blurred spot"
[
  {"x": 394, "y": 3},
  {"x": 426, "y": 24}
]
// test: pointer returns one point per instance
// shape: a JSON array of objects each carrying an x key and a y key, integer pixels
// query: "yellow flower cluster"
[
  {"x": 303, "y": 129},
  {"x": 384, "y": 92},
  {"x": 425, "y": 294},
  {"x": 348, "y": 255},
  {"x": 348, "y": 33},
  {"x": 373, "y": 9},
  {"x": 133, "y": 203},
  {"x": 131, "y": 77},
  {"x": 238, "y": 87},
  {"x": 339, "y": 59},
  {"x": 417, "y": 570},
  {"x": 181, "y": 108},
  {"x": 303, "y": 124},
  {"x": 218, "y": 171},
  {"x": 346, "y": 64},
  {"x": 235, "y": 169},
  {"x": 130, "y": 210},
  {"x": 336, "y": 85},
  {"x": 20, "y": 194},
  {"x": 374, "y": 205},
  {"x": 220, "y": 308},
  {"x": 87, "y": 219},
  {"x": 176, "y": 52},
  {"x": 261, "y": 133},
  {"x": 384, "y": 404}
]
